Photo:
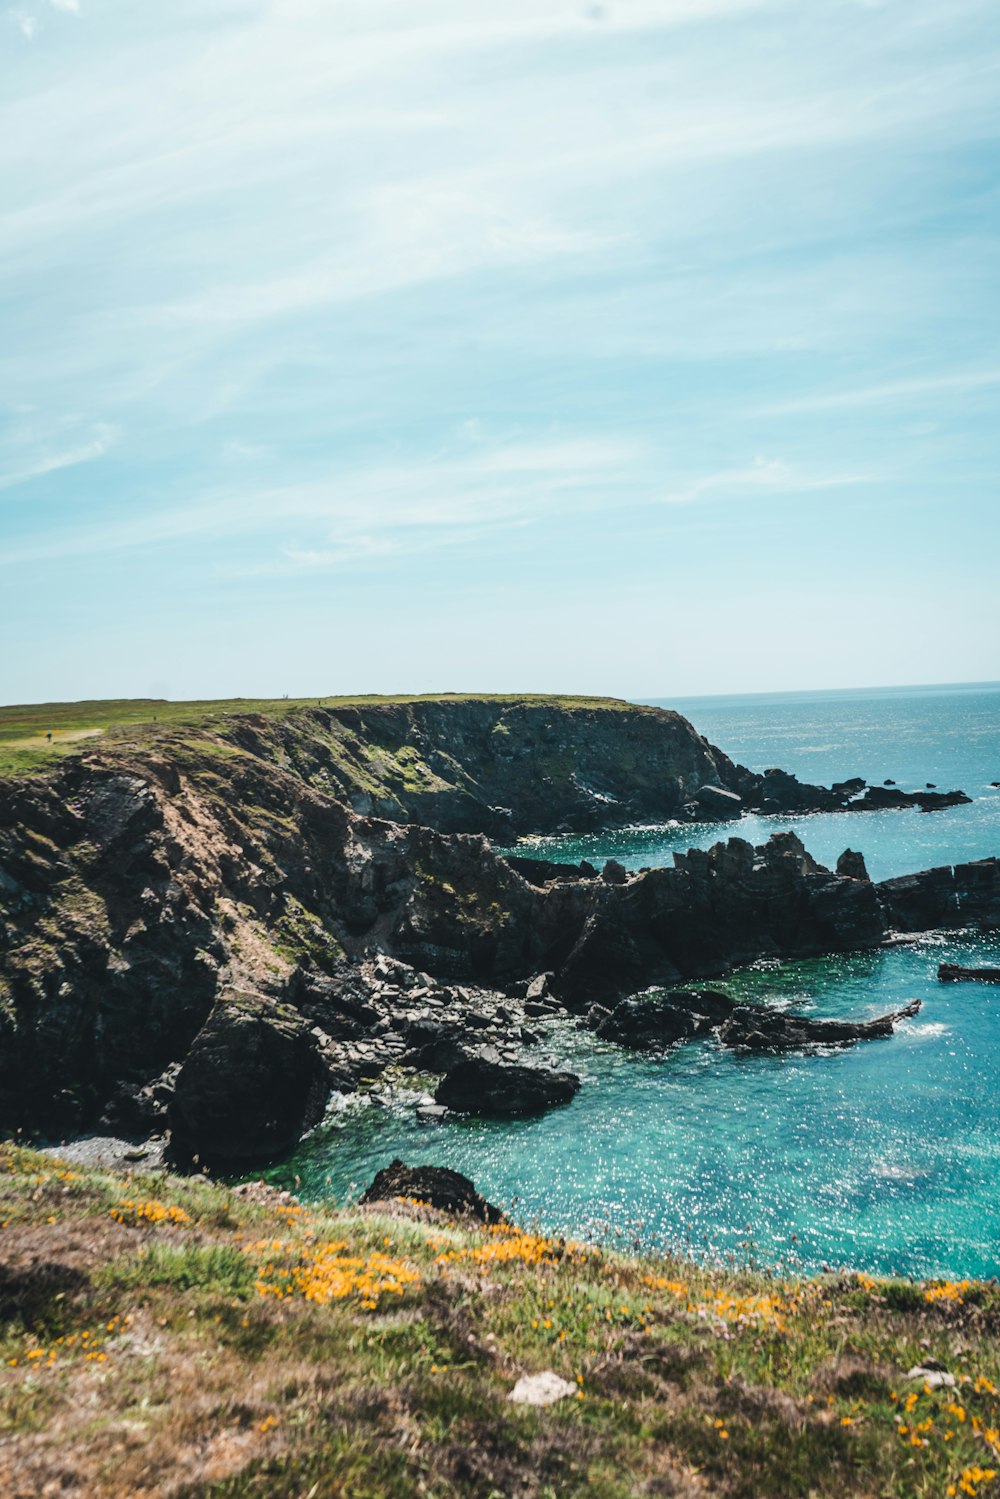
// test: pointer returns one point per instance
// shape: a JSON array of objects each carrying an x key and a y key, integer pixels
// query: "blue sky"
[{"x": 642, "y": 347}]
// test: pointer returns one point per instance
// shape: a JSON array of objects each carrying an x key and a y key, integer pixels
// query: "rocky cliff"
[{"x": 191, "y": 923}]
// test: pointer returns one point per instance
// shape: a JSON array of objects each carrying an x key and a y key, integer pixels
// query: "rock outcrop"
[
  {"x": 252, "y": 1082},
  {"x": 953, "y": 972},
  {"x": 492, "y": 1090},
  {"x": 434, "y": 1186},
  {"x": 657, "y": 1022},
  {"x": 760, "y": 1028},
  {"x": 654, "y": 1022},
  {"x": 966, "y": 895}
]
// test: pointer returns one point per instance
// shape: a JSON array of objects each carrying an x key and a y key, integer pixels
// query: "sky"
[{"x": 642, "y": 347}]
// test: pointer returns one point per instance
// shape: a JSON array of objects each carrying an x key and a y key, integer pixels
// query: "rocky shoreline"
[{"x": 199, "y": 937}]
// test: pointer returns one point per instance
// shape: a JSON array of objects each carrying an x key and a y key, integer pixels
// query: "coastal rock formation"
[
  {"x": 651, "y": 1022},
  {"x": 490, "y": 1089},
  {"x": 760, "y": 1028},
  {"x": 852, "y": 865},
  {"x": 952, "y": 972},
  {"x": 449, "y": 1191},
  {"x": 966, "y": 895},
  {"x": 881, "y": 799},
  {"x": 658, "y": 1021},
  {"x": 198, "y": 930},
  {"x": 251, "y": 1084}
]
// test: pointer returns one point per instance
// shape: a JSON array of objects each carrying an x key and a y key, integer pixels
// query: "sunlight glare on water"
[{"x": 883, "y": 1157}]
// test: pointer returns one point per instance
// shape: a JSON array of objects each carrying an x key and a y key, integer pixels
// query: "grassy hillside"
[
  {"x": 24, "y": 728},
  {"x": 160, "y": 1336}
]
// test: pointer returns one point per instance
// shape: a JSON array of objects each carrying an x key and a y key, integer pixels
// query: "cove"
[{"x": 882, "y": 1158}]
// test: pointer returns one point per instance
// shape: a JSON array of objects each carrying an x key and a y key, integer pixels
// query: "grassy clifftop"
[
  {"x": 164, "y": 1336},
  {"x": 24, "y": 728},
  {"x": 501, "y": 765}
]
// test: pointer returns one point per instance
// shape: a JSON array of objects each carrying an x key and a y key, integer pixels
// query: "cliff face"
[
  {"x": 496, "y": 767},
  {"x": 212, "y": 901}
]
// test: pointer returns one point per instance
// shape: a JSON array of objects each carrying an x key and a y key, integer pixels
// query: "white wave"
[{"x": 926, "y": 1030}]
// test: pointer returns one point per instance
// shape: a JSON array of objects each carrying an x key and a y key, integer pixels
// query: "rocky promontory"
[{"x": 210, "y": 931}]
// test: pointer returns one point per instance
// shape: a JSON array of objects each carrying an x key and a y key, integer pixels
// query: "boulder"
[
  {"x": 497, "y": 1090},
  {"x": 433, "y": 1045},
  {"x": 251, "y": 1084},
  {"x": 654, "y": 1022},
  {"x": 435, "y": 1185},
  {"x": 716, "y": 801}
]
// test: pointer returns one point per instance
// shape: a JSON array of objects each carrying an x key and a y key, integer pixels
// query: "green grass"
[
  {"x": 147, "y": 718},
  {"x": 239, "y": 1347}
]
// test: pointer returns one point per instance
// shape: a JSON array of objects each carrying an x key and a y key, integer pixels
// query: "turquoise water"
[{"x": 884, "y": 1157}]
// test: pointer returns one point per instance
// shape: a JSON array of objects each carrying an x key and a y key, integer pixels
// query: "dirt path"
[{"x": 59, "y": 736}]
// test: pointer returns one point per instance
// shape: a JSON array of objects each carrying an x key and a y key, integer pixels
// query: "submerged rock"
[
  {"x": 500, "y": 1091},
  {"x": 436, "y": 1186}
]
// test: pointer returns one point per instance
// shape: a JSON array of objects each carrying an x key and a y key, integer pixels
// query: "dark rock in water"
[
  {"x": 848, "y": 788},
  {"x": 936, "y": 801},
  {"x": 888, "y": 782},
  {"x": 779, "y": 791},
  {"x": 884, "y": 799},
  {"x": 852, "y": 866},
  {"x": 435, "y": 1185},
  {"x": 952, "y": 972},
  {"x": 496, "y": 1091},
  {"x": 716, "y": 801},
  {"x": 651, "y": 1022},
  {"x": 754, "y": 1028},
  {"x": 931, "y": 785},
  {"x": 250, "y": 1085}
]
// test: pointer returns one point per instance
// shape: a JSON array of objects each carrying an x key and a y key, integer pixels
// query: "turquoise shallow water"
[{"x": 884, "y": 1157}]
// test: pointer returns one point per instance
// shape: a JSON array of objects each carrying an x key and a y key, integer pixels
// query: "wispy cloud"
[
  {"x": 33, "y": 460},
  {"x": 379, "y": 512},
  {"x": 955, "y": 382},
  {"x": 444, "y": 289},
  {"x": 765, "y": 476}
]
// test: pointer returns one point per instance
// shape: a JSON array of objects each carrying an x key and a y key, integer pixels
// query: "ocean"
[{"x": 883, "y": 1158}]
